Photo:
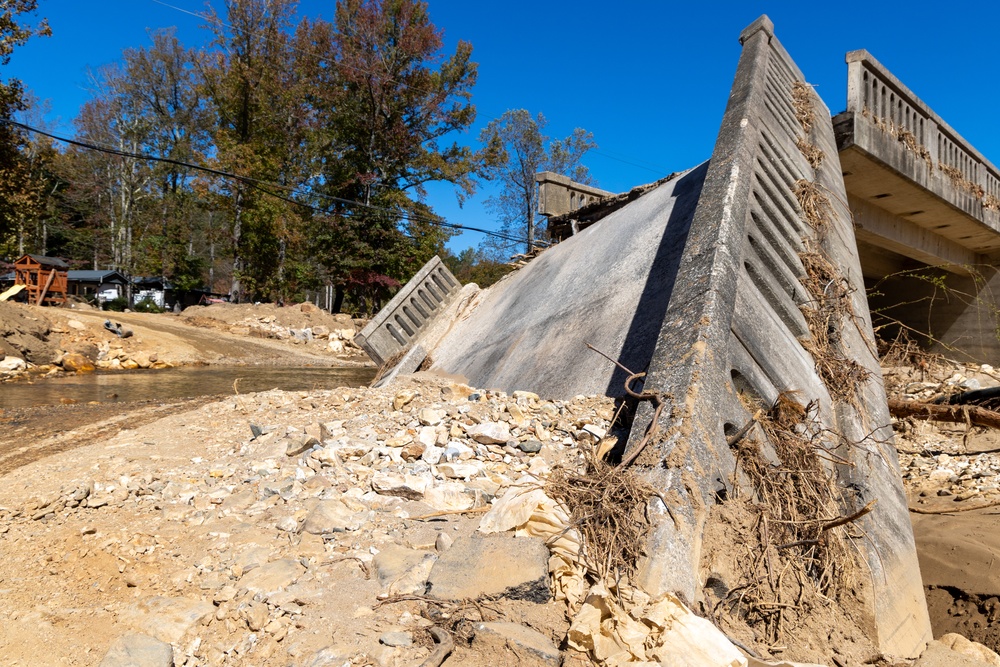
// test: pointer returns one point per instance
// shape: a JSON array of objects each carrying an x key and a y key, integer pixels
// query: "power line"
[{"x": 261, "y": 185}]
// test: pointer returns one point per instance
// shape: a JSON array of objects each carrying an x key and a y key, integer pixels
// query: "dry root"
[
  {"x": 607, "y": 505},
  {"x": 901, "y": 134},
  {"x": 802, "y": 103},
  {"x": 813, "y": 155},
  {"x": 825, "y": 314},
  {"x": 814, "y": 203},
  {"x": 798, "y": 555}
]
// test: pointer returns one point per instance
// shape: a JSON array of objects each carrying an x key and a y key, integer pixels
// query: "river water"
[{"x": 175, "y": 383}]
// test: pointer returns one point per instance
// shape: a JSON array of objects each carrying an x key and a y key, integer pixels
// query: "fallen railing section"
[{"x": 409, "y": 314}]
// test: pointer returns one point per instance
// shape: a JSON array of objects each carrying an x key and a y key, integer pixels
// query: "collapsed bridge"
[{"x": 732, "y": 285}]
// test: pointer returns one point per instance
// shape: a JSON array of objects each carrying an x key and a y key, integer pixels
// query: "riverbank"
[{"x": 38, "y": 342}]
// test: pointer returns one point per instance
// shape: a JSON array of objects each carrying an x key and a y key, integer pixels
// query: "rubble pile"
[
  {"x": 936, "y": 459},
  {"x": 337, "y": 341},
  {"x": 304, "y": 527}
]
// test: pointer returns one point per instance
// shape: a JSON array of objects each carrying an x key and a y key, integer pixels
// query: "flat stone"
[
  {"x": 169, "y": 619},
  {"x": 432, "y": 416},
  {"x": 332, "y": 516},
  {"x": 269, "y": 579},
  {"x": 413, "y": 451},
  {"x": 403, "y": 486},
  {"x": 300, "y": 443},
  {"x": 492, "y": 565},
  {"x": 489, "y": 433},
  {"x": 403, "y": 571},
  {"x": 530, "y": 446},
  {"x": 448, "y": 497},
  {"x": 135, "y": 650},
  {"x": 459, "y": 470},
  {"x": 11, "y": 364},
  {"x": 532, "y": 647},
  {"x": 396, "y": 639},
  {"x": 76, "y": 324}
]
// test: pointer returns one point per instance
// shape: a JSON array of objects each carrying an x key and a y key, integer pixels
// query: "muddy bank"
[{"x": 39, "y": 342}]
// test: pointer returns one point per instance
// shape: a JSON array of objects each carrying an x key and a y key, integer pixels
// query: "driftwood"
[{"x": 962, "y": 414}]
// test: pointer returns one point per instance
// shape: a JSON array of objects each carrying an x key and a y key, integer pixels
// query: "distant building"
[
  {"x": 44, "y": 279},
  {"x": 100, "y": 286}
]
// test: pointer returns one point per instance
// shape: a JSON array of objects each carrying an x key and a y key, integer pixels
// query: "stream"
[{"x": 175, "y": 383}]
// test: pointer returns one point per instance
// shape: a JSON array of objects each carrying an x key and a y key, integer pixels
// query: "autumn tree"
[
  {"x": 16, "y": 182},
  {"x": 515, "y": 149},
  {"x": 388, "y": 103},
  {"x": 165, "y": 85},
  {"x": 260, "y": 135}
]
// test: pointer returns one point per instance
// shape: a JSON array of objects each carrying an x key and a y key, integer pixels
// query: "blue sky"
[{"x": 649, "y": 79}]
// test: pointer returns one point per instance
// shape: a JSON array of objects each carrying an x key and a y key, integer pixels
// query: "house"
[
  {"x": 97, "y": 285},
  {"x": 44, "y": 279}
]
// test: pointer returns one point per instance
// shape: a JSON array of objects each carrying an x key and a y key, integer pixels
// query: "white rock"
[
  {"x": 459, "y": 470},
  {"x": 432, "y": 417},
  {"x": 404, "y": 486},
  {"x": 489, "y": 433},
  {"x": 427, "y": 436},
  {"x": 11, "y": 364},
  {"x": 458, "y": 451},
  {"x": 433, "y": 455},
  {"x": 448, "y": 496}
]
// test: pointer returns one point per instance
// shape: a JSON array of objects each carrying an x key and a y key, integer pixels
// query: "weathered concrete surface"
[
  {"x": 732, "y": 325},
  {"x": 609, "y": 286}
]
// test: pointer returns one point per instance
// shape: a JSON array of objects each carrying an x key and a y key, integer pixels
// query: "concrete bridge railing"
[{"x": 955, "y": 170}]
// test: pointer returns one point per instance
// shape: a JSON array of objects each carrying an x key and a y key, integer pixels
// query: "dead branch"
[
  {"x": 853, "y": 517},
  {"x": 945, "y": 413},
  {"x": 434, "y": 515},
  {"x": 917, "y": 510},
  {"x": 445, "y": 645}
]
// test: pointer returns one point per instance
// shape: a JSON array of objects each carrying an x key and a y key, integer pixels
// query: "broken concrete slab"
[
  {"x": 734, "y": 320},
  {"x": 409, "y": 313},
  {"x": 493, "y": 565},
  {"x": 134, "y": 650}
]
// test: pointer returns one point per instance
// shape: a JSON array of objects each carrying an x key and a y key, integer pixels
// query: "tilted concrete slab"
[
  {"x": 700, "y": 280},
  {"x": 729, "y": 327},
  {"x": 608, "y": 286}
]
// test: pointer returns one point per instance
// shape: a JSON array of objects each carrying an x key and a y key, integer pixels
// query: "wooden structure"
[{"x": 44, "y": 279}]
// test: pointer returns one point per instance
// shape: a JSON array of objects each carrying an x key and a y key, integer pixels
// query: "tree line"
[{"x": 315, "y": 142}]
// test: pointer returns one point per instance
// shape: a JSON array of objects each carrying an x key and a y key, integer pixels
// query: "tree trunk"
[
  {"x": 235, "y": 289},
  {"x": 338, "y": 299}
]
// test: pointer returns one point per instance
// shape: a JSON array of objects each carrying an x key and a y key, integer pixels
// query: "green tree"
[
  {"x": 515, "y": 149},
  {"x": 387, "y": 101},
  {"x": 16, "y": 183},
  {"x": 257, "y": 95},
  {"x": 165, "y": 84}
]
